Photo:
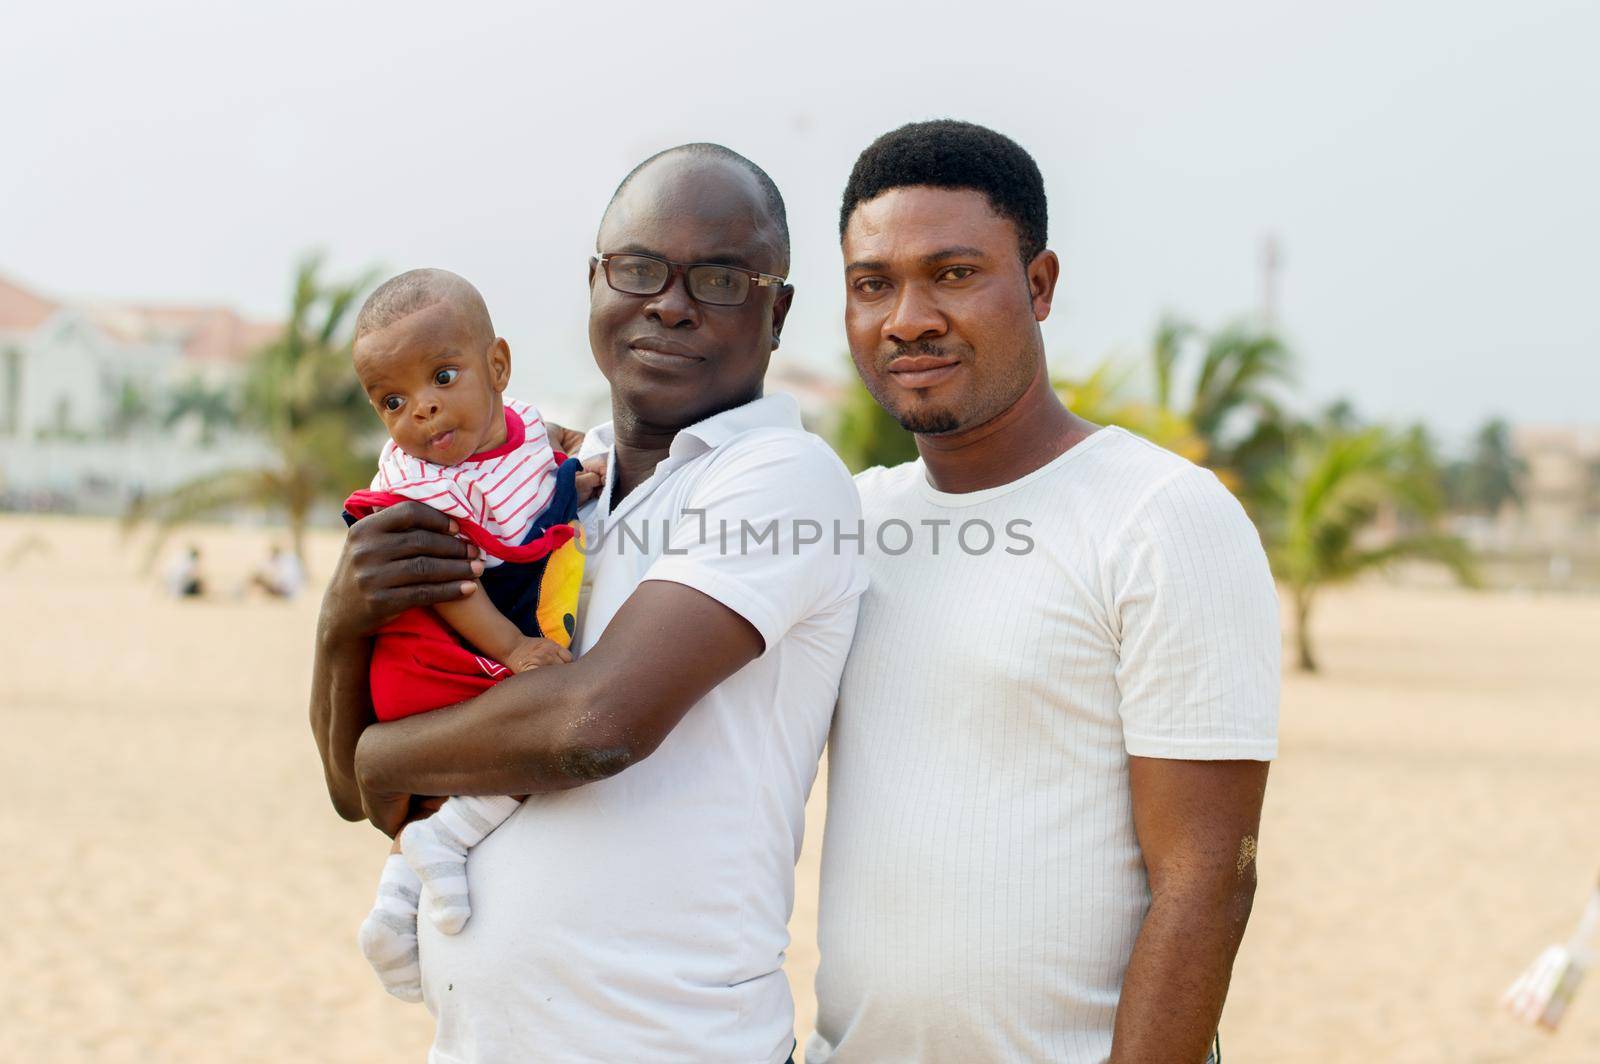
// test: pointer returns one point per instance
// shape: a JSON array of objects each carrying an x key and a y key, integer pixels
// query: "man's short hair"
[
  {"x": 405, "y": 294},
  {"x": 769, "y": 190},
  {"x": 945, "y": 153}
]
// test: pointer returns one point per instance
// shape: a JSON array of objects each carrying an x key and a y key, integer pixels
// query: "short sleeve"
[
  {"x": 771, "y": 530},
  {"x": 438, "y": 486},
  {"x": 1200, "y": 649}
]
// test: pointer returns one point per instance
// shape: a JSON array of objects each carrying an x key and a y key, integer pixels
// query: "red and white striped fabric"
[{"x": 502, "y": 490}]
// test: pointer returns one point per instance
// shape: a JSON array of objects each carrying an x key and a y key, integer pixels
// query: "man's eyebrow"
[
  {"x": 635, "y": 249},
  {"x": 957, "y": 251},
  {"x": 710, "y": 259}
]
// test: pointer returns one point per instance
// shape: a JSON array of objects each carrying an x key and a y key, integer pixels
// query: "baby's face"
[{"x": 435, "y": 384}]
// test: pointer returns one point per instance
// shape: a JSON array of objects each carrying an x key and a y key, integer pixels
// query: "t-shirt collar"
[{"x": 516, "y": 435}]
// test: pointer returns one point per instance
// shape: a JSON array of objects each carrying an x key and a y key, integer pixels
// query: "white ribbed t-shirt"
[{"x": 982, "y": 884}]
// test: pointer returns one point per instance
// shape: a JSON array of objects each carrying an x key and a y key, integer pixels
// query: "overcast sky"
[{"x": 1431, "y": 169}]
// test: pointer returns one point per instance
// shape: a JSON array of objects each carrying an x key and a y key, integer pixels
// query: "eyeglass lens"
[{"x": 642, "y": 276}]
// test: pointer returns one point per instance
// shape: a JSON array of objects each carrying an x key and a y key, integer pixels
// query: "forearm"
[
  {"x": 1177, "y": 977},
  {"x": 560, "y": 727},
  {"x": 476, "y": 620},
  {"x": 341, "y": 708},
  {"x": 536, "y": 732}
]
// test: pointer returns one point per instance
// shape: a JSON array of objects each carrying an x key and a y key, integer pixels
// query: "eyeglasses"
[{"x": 708, "y": 282}]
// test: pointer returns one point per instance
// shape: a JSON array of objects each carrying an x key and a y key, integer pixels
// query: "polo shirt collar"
[{"x": 778, "y": 410}]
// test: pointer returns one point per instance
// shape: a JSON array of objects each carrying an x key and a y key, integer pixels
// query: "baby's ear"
[{"x": 499, "y": 357}]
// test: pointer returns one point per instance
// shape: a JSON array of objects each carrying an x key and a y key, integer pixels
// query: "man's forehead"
[
  {"x": 919, "y": 219},
  {"x": 691, "y": 209}
]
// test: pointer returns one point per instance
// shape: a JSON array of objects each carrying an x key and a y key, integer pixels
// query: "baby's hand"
[
  {"x": 536, "y": 653},
  {"x": 590, "y": 480}
]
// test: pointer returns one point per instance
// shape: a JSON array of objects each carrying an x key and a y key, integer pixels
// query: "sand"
[{"x": 179, "y": 889}]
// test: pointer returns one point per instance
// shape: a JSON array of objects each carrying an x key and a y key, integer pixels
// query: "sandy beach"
[{"x": 180, "y": 889}]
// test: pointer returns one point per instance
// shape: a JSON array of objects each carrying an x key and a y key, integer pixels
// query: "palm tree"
[
  {"x": 1490, "y": 475},
  {"x": 1232, "y": 407},
  {"x": 1238, "y": 370},
  {"x": 1327, "y": 499},
  {"x": 302, "y": 396},
  {"x": 211, "y": 408},
  {"x": 1101, "y": 397}
]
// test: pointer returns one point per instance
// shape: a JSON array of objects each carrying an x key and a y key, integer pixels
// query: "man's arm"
[
  {"x": 553, "y": 729},
  {"x": 1197, "y": 823},
  {"x": 400, "y": 557}
]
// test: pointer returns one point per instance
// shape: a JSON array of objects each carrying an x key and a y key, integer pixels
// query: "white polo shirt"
[{"x": 644, "y": 917}]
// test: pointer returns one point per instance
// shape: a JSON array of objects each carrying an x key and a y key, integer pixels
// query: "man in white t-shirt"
[
  {"x": 635, "y": 907},
  {"x": 1048, "y": 759}
]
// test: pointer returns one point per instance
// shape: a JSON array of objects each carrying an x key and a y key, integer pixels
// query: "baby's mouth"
[{"x": 443, "y": 439}]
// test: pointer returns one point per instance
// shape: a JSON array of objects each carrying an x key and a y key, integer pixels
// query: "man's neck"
[
  {"x": 1032, "y": 432},
  {"x": 639, "y": 447}
]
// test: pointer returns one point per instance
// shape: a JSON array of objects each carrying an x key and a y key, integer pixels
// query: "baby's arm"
[{"x": 476, "y": 620}]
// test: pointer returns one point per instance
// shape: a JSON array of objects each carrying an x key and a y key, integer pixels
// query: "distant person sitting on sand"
[
  {"x": 182, "y": 577},
  {"x": 280, "y": 576},
  {"x": 431, "y": 364}
]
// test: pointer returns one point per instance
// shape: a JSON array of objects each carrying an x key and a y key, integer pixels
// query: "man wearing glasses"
[{"x": 635, "y": 907}]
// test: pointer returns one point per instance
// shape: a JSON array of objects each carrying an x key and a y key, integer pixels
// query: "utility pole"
[{"x": 1271, "y": 263}]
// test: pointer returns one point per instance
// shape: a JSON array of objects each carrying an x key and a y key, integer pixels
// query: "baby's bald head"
[
  {"x": 405, "y": 294},
  {"x": 430, "y": 363}
]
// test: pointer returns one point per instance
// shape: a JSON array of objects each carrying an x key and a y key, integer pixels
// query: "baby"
[{"x": 431, "y": 365}]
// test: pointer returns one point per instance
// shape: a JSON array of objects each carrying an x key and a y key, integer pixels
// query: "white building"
[{"x": 85, "y": 387}]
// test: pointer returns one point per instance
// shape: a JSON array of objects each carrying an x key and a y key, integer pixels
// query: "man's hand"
[
  {"x": 402, "y": 556},
  {"x": 399, "y": 557},
  {"x": 567, "y": 441},
  {"x": 390, "y": 813}
]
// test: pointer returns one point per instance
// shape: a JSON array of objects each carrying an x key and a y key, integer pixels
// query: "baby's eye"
[
  {"x": 392, "y": 403},
  {"x": 446, "y": 375}
]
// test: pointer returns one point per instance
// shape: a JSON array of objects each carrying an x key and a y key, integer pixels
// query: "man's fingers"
[
  {"x": 432, "y": 544},
  {"x": 408, "y": 572},
  {"x": 431, "y": 594},
  {"x": 408, "y": 515}
]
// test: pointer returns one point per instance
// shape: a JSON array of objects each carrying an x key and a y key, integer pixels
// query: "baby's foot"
[
  {"x": 388, "y": 936},
  {"x": 436, "y": 848}
]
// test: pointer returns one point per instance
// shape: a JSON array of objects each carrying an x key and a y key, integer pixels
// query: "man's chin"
[{"x": 928, "y": 422}]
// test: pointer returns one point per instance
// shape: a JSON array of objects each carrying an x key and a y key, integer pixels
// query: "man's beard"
[
  {"x": 923, "y": 422},
  {"x": 929, "y": 422}
]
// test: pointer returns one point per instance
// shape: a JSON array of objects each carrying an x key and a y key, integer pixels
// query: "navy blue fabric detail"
[{"x": 514, "y": 587}]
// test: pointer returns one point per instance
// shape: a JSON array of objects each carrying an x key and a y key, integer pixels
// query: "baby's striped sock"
[
  {"x": 388, "y": 936},
  {"x": 436, "y": 848}
]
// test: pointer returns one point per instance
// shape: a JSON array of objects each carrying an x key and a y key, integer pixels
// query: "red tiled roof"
[
  {"x": 20, "y": 309},
  {"x": 207, "y": 334}
]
